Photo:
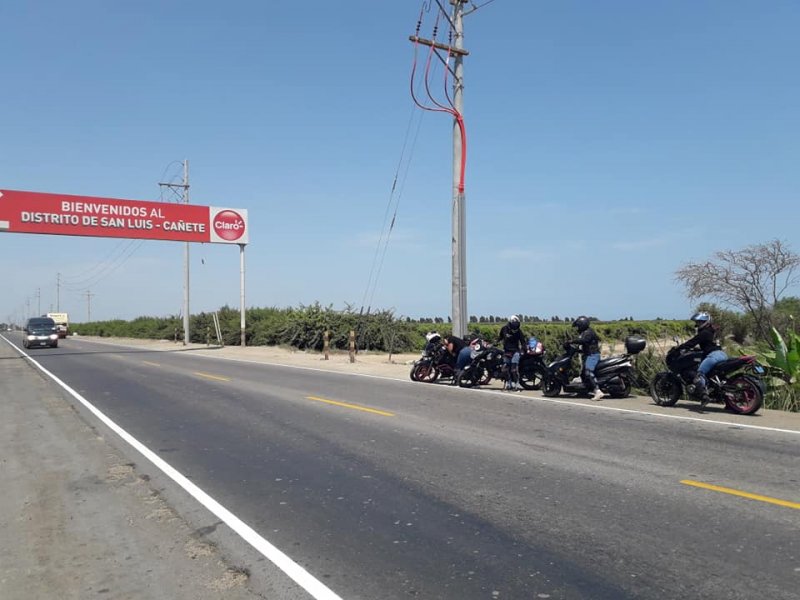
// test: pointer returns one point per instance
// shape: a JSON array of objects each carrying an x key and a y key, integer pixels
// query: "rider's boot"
[
  {"x": 701, "y": 391},
  {"x": 592, "y": 381}
]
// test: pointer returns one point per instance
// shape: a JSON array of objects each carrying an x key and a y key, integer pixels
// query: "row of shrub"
[{"x": 304, "y": 328}]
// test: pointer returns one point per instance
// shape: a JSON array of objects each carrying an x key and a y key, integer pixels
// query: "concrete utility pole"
[
  {"x": 459, "y": 222},
  {"x": 459, "y": 279},
  {"x": 89, "y": 306},
  {"x": 184, "y": 187},
  {"x": 58, "y": 292}
]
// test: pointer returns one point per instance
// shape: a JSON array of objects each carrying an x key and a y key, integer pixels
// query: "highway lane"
[{"x": 450, "y": 493}]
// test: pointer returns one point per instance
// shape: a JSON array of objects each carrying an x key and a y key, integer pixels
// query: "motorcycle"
[
  {"x": 486, "y": 363},
  {"x": 614, "y": 374},
  {"x": 532, "y": 368},
  {"x": 735, "y": 382},
  {"x": 435, "y": 363}
]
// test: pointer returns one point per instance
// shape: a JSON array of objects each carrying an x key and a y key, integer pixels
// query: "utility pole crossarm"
[{"x": 439, "y": 45}]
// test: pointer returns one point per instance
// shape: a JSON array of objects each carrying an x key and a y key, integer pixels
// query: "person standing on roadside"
[
  {"x": 461, "y": 351},
  {"x": 514, "y": 344},
  {"x": 589, "y": 343}
]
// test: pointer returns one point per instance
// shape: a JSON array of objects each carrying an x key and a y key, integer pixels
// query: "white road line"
[{"x": 302, "y": 577}]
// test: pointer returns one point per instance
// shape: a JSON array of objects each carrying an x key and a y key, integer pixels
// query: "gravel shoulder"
[{"x": 79, "y": 519}]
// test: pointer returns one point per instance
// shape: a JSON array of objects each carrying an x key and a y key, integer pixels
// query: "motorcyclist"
[
  {"x": 705, "y": 340},
  {"x": 589, "y": 343},
  {"x": 514, "y": 343},
  {"x": 461, "y": 351}
]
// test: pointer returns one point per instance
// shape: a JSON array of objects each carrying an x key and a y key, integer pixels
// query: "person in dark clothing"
[
  {"x": 705, "y": 340},
  {"x": 461, "y": 350},
  {"x": 514, "y": 344},
  {"x": 589, "y": 343}
]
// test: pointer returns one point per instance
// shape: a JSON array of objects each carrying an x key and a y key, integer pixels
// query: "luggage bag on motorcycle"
[{"x": 634, "y": 344}]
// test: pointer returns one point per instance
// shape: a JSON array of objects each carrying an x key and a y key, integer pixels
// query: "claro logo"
[{"x": 229, "y": 225}]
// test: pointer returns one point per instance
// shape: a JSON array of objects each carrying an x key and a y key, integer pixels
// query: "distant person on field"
[
  {"x": 514, "y": 344},
  {"x": 589, "y": 343}
]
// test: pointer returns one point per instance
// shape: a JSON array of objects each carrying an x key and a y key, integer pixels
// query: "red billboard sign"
[{"x": 60, "y": 214}]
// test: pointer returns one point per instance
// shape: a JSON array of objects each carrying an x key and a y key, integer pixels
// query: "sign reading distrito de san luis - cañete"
[{"x": 89, "y": 216}]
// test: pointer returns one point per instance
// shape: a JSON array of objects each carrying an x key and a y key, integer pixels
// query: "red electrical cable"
[{"x": 440, "y": 107}]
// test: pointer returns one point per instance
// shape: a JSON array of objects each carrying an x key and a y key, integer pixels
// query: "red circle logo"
[{"x": 229, "y": 225}]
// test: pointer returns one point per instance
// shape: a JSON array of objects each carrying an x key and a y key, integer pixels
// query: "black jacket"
[
  {"x": 458, "y": 343},
  {"x": 513, "y": 339},
  {"x": 704, "y": 339},
  {"x": 588, "y": 341}
]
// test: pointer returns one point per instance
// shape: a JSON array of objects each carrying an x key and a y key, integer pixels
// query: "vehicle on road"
[
  {"x": 735, "y": 382},
  {"x": 40, "y": 332},
  {"x": 532, "y": 367},
  {"x": 614, "y": 374},
  {"x": 486, "y": 363},
  {"x": 435, "y": 363},
  {"x": 62, "y": 323}
]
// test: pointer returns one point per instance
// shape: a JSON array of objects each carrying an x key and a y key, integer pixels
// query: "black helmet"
[
  {"x": 581, "y": 323},
  {"x": 701, "y": 319}
]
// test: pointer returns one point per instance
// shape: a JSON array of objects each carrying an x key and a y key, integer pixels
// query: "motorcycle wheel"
[
  {"x": 742, "y": 395},
  {"x": 551, "y": 387},
  {"x": 424, "y": 372},
  {"x": 471, "y": 377},
  {"x": 532, "y": 377},
  {"x": 621, "y": 392},
  {"x": 665, "y": 390}
]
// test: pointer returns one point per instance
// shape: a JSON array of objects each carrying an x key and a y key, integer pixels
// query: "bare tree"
[{"x": 752, "y": 279}]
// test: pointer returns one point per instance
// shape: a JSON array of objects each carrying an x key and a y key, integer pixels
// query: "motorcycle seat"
[
  {"x": 726, "y": 366},
  {"x": 611, "y": 361}
]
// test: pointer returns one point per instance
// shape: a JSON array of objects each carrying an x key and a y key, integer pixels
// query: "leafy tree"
[{"x": 752, "y": 279}]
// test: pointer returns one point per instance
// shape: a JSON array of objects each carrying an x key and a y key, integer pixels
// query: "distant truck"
[{"x": 62, "y": 323}]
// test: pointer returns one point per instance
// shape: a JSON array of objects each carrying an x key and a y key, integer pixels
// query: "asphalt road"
[{"x": 391, "y": 489}]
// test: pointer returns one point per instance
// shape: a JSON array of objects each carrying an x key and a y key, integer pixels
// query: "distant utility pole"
[
  {"x": 58, "y": 292},
  {"x": 184, "y": 193},
  {"x": 89, "y": 306},
  {"x": 39, "y": 302},
  {"x": 459, "y": 224}
]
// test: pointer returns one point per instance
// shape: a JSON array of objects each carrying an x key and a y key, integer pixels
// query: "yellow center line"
[
  {"x": 353, "y": 406},
  {"x": 214, "y": 377},
  {"x": 151, "y": 363},
  {"x": 724, "y": 490}
]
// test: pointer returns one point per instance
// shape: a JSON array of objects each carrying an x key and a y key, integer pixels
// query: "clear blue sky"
[{"x": 609, "y": 143}]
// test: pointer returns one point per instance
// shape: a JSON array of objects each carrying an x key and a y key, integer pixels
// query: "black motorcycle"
[
  {"x": 435, "y": 363},
  {"x": 614, "y": 374},
  {"x": 486, "y": 363},
  {"x": 532, "y": 367},
  {"x": 735, "y": 382}
]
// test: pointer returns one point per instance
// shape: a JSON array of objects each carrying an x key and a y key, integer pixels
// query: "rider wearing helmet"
[
  {"x": 589, "y": 342},
  {"x": 705, "y": 340},
  {"x": 514, "y": 343}
]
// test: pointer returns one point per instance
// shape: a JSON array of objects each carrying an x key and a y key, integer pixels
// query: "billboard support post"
[{"x": 241, "y": 295}]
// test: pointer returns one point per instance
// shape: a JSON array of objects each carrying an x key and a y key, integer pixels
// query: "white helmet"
[
  {"x": 431, "y": 335},
  {"x": 513, "y": 319}
]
